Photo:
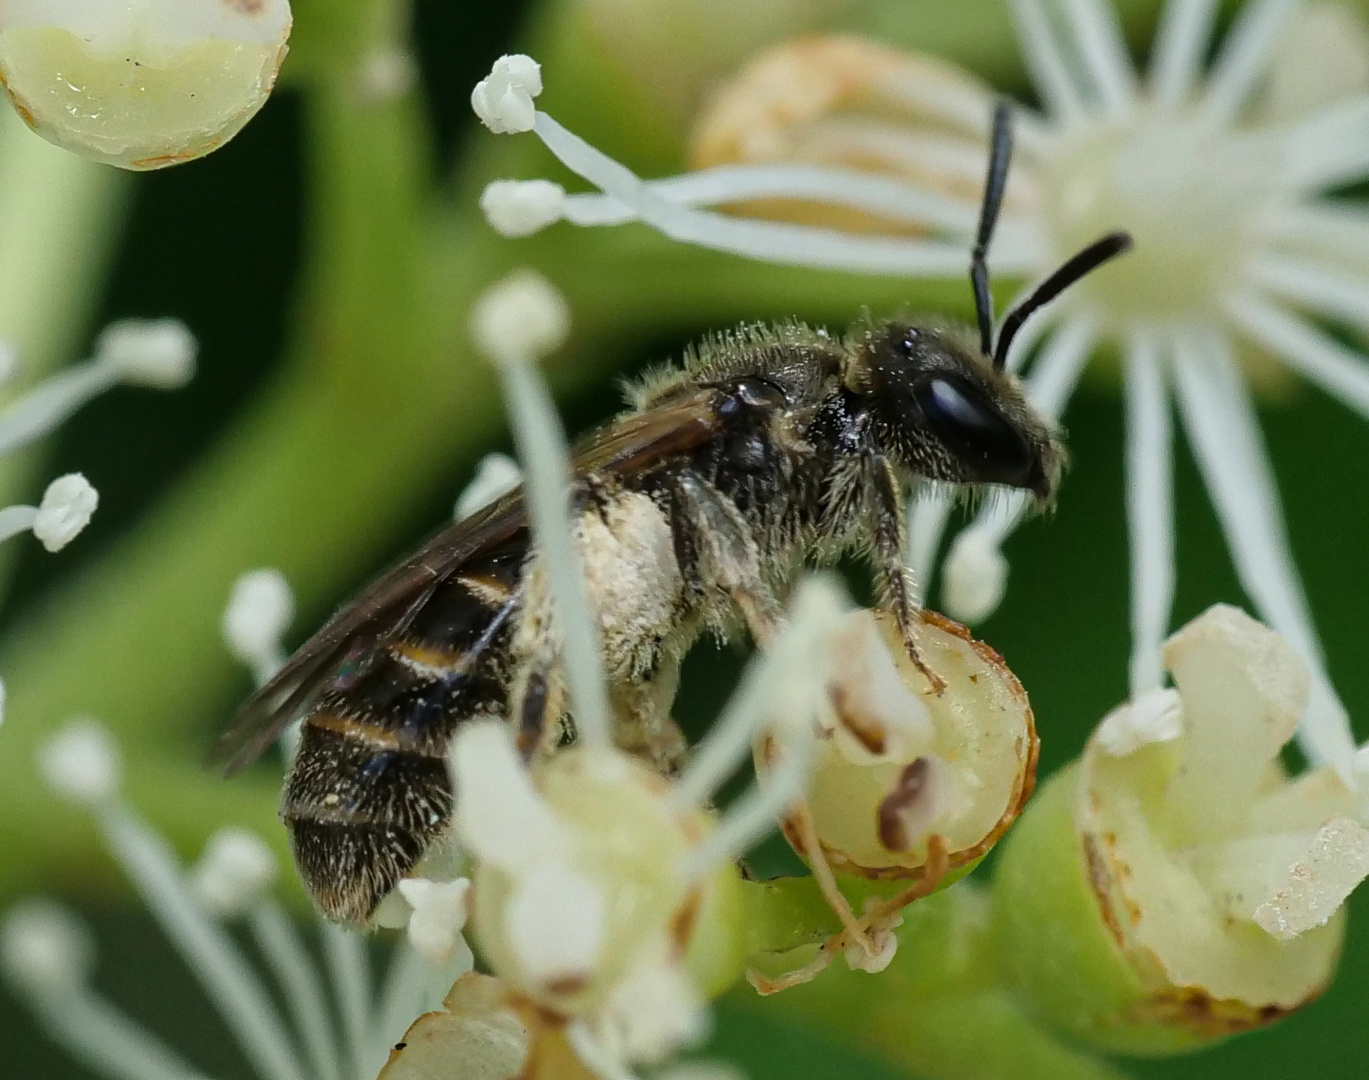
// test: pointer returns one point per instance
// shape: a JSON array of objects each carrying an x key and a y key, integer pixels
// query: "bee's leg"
[
  {"x": 537, "y": 708},
  {"x": 714, "y": 544},
  {"x": 895, "y": 580}
]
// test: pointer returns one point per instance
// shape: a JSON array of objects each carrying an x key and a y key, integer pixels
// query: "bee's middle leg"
[{"x": 714, "y": 547}]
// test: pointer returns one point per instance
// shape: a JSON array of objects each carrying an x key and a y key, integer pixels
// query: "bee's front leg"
[{"x": 894, "y": 579}]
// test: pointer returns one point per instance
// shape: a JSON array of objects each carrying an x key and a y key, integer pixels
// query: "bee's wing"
[
  {"x": 639, "y": 440},
  {"x": 623, "y": 447},
  {"x": 380, "y": 611}
]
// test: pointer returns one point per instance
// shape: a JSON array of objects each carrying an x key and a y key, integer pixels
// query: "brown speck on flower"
[{"x": 901, "y": 803}]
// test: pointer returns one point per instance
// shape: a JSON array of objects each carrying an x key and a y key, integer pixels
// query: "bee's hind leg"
[{"x": 539, "y": 709}]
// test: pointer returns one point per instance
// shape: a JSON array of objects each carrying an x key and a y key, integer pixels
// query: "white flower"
[
  {"x": 1282, "y": 855},
  {"x": 143, "y": 83},
  {"x": 46, "y": 954},
  {"x": 1235, "y": 240},
  {"x": 584, "y": 867}
]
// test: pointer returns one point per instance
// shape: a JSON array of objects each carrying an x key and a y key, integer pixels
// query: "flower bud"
[
  {"x": 142, "y": 83},
  {"x": 1167, "y": 891},
  {"x": 901, "y": 764}
]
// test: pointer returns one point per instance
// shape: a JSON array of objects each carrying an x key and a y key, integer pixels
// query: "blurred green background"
[{"x": 257, "y": 247}]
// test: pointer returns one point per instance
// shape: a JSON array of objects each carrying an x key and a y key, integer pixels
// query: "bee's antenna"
[
  {"x": 1000, "y": 153},
  {"x": 1088, "y": 260}
]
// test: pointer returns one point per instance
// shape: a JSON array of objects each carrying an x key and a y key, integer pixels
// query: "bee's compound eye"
[{"x": 975, "y": 431}]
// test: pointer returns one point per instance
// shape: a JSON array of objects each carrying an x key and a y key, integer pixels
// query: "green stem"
[{"x": 937, "y": 1011}]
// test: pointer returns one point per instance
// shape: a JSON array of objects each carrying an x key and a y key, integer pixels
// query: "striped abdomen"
[{"x": 369, "y": 789}]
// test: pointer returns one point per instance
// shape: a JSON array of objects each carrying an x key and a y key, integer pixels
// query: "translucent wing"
[{"x": 628, "y": 446}]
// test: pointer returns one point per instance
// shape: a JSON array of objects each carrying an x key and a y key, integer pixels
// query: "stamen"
[
  {"x": 1243, "y": 57},
  {"x": 1104, "y": 51},
  {"x": 516, "y": 322},
  {"x": 1328, "y": 292},
  {"x": 209, "y": 952},
  {"x": 148, "y": 352},
  {"x": 777, "y": 242},
  {"x": 66, "y": 509},
  {"x": 345, "y": 951},
  {"x": 1180, "y": 43},
  {"x": 975, "y": 576},
  {"x": 48, "y": 404},
  {"x": 405, "y": 995},
  {"x": 45, "y": 950},
  {"x": 874, "y": 194},
  {"x": 779, "y": 689},
  {"x": 81, "y": 763},
  {"x": 1225, "y": 436},
  {"x": 1328, "y": 149},
  {"x": 279, "y": 943},
  {"x": 258, "y": 614},
  {"x": 439, "y": 915},
  {"x": 1339, "y": 371},
  {"x": 157, "y": 353},
  {"x": 495, "y": 476},
  {"x": 503, "y": 99},
  {"x": 814, "y": 614},
  {"x": 234, "y": 872},
  {"x": 1050, "y": 74},
  {"x": 1150, "y": 511},
  {"x": 927, "y": 517},
  {"x": 522, "y": 207}
]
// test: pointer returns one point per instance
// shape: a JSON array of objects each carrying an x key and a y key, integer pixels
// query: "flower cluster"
[{"x": 869, "y": 160}]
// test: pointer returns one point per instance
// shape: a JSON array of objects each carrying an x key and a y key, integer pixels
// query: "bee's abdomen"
[
  {"x": 369, "y": 790},
  {"x": 360, "y": 818}
]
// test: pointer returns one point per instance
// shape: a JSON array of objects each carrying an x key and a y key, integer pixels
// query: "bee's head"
[{"x": 946, "y": 413}]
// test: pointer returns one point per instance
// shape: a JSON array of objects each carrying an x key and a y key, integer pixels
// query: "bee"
[{"x": 771, "y": 448}]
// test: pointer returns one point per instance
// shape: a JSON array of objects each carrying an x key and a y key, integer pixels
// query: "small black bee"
[{"x": 772, "y": 448}]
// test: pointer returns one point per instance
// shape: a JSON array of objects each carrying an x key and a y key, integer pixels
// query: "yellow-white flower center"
[{"x": 1187, "y": 193}]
